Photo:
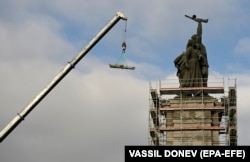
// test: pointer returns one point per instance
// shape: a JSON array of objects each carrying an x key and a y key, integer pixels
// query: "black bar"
[{"x": 184, "y": 153}]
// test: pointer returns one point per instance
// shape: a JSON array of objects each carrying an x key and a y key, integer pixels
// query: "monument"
[
  {"x": 194, "y": 115},
  {"x": 192, "y": 65}
]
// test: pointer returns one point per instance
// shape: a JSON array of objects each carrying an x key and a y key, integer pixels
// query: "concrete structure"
[{"x": 208, "y": 117}]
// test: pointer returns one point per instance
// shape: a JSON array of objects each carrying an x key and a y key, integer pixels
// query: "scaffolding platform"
[
  {"x": 192, "y": 108},
  {"x": 174, "y": 128},
  {"x": 177, "y": 91}
]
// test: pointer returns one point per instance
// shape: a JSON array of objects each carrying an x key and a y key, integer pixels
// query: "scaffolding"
[{"x": 206, "y": 117}]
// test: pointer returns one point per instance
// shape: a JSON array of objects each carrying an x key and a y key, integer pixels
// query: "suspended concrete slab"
[{"x": 120, "y": 66}]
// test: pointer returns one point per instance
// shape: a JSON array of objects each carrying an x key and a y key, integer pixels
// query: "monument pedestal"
[{"x": 192, "y": 120}]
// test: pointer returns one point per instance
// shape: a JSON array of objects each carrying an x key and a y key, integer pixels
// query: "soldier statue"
[{"x": 192, "y": 65}]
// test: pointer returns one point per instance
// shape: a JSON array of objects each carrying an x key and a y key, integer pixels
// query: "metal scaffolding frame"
[{"x": 207, "y": 117}]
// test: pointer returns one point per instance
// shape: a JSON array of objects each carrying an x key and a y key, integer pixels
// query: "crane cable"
[{"x": 124, "y": 46}]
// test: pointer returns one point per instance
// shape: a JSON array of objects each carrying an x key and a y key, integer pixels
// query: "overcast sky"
[{"x": 95, "y": 111}]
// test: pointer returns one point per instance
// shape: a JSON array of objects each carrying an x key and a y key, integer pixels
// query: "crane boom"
[{"x": 20, "y": 116}]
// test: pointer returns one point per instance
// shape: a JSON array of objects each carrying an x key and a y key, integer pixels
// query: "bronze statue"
[{"x": 192, "y": 65}]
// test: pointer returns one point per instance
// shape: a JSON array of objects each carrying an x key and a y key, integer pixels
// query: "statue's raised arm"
[{"x": 199, "y": 21}]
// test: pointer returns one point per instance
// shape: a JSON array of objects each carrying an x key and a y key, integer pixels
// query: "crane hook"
[{"x": 124, "y": 47}]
